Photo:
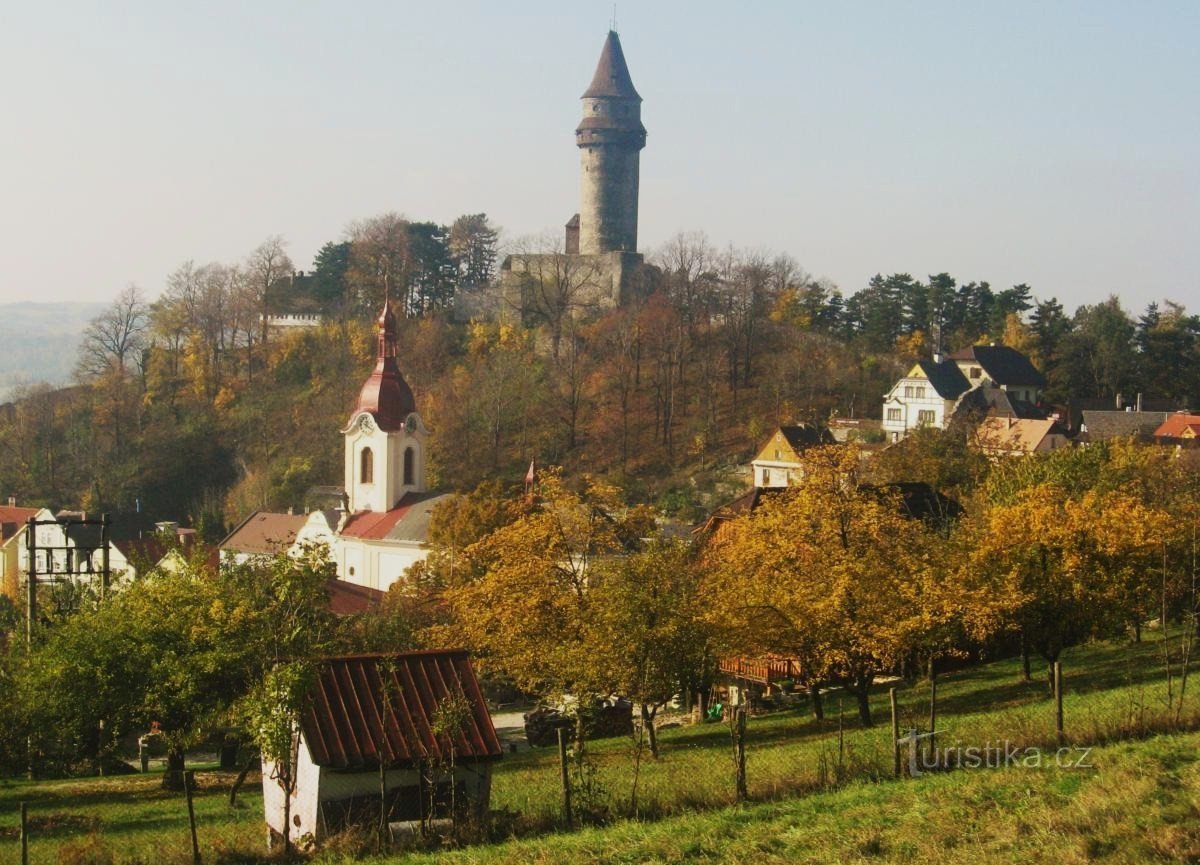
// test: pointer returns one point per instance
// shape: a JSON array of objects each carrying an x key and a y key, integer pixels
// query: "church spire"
[{"x": 385, "y": 395}]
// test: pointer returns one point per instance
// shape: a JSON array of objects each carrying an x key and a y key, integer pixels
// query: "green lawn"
[{"x": 812, "y": 800}]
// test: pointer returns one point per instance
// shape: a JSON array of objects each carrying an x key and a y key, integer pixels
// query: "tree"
[
  {"x": 532, "y": 615},
  {"x": 832, "y": 573},
  {"x": 472, "y": 244},
  {"x": 651, "y": 634},
  {"x": 379, "y": 263},
  {"x": 116, "y": 338},
  {"x": 329, "y": 273},
  {"x": 264, "y": 269}
]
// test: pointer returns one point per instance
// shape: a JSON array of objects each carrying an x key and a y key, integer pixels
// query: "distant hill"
[{"x": 38, "y": 342}]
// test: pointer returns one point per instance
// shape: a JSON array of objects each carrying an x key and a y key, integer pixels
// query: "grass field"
[{"x": 812, "y": 800}]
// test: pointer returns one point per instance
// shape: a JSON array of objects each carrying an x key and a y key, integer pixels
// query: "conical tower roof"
[{"x": 612, "y": 75}]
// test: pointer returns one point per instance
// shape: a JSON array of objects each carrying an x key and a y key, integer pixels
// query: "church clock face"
[
  {"x": 410, "y": 424},
  {"x": 366, "y": 424}
]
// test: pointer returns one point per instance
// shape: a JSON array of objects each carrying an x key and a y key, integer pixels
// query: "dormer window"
[{"x": 366, "y": 466}]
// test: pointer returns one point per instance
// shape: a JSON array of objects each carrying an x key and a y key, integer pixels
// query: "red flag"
[{"x": 529, "y": 474}]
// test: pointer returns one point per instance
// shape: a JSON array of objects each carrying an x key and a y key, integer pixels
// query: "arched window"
[
  {"x": 408, "y": 466},
  {"x": 366, "y": 473}
]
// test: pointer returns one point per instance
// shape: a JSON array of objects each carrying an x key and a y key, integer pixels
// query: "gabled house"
[
  {"x": 367, "y": 713},
  {"x": 1178, "y": 428},
  {"x": 926, "y": 396},
  {"x": 13, "y": 558},
  {"x": 1002, "y": 436},
  {"x": 778, "y": 462},
  {"x": 1097, "y": 425},
  {"x": 263, "y": 534},
  {"x": 1003, "y": 367}
]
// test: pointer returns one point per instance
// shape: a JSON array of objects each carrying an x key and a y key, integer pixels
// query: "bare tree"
[
  {"x": 556, "y": 288},
  {"x": 117, "y": 337},
  {"x": 264, "y": 268},
  {"x": 380, "y": 261}
]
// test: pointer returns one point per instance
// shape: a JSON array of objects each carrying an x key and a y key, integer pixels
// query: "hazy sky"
[{"x": 1050, "y": 143}]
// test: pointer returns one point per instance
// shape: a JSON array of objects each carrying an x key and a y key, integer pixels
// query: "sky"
[{"x": 1055, "y": 144}]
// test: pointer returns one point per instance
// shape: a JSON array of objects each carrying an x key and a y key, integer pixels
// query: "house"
[
  {"x": 1004, "y": 436},
  {"x": 368, "y": 712},
  {"x": 379, "y": 529},
  {"x": 1103, "y": 424},
  {"x": 1003, "y": 367},
  {"x": 261, "y": 535},
  {"x": 778, "y": 462},
  {"x": 13, "y": 523},
  {"x": 1178, "y": 428},
  {"x": 926, "y": 396},
  {"x": 982, "y": 380}
]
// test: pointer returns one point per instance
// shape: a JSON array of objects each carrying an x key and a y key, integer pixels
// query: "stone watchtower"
[{"x": 609, "y": 137}]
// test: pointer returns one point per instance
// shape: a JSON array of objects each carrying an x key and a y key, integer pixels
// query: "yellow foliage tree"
[{"x": 833, "y": 573}]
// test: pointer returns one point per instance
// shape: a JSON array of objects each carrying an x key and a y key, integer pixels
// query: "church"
[{"x": 379, "y": 530}]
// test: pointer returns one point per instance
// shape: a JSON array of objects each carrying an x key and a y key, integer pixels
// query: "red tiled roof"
[
  {"x": 13, "y": 519},
  {"x": 1175, "y": 424},
  {"x": 345, "y": 727},
  {"x": 374, "y": 525},
  {"x": 347, "y": 599}
]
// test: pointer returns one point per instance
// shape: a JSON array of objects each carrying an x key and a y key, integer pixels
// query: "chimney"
[
  {"x": 291, "y": 512},
  {"x": 1139, "y": 403},
  {"x": 937, "y": 357},
  {"x": 12, "y": 501},
  {"x": 1119, "y": 406}
]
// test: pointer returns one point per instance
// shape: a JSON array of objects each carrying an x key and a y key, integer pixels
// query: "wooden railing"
[{"x": 764, "y": 671}]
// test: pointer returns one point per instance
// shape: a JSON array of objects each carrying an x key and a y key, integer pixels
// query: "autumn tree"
[
  {"x": 532, "y": 615},
  {"x": 830, "y": 572},
  {"x": 651, "y": 628}
]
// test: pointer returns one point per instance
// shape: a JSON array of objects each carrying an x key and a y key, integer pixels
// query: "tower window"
[
  {"x": 366, "y": 468},
  {"x": 408, "y": 466}
]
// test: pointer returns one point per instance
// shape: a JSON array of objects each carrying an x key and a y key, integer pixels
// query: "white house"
[
  {"x": 926, "y": 396},
  {"x": 342, "y": 745}
]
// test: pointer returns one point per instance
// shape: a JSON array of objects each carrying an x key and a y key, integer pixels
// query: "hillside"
[{"x": 38, "y": 342}]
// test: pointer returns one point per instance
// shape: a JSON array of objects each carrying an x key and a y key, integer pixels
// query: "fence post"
[
  {"x": 189, "y": 778},
  {"x": 24, "y": 834},
  {"x": 740, "y": 744},
  {"x": 565, "y": 776},
  {"x": 1058, "y": 702},
  {"x": 895, "y": 734},
  {"x": 932, "y": 710}
]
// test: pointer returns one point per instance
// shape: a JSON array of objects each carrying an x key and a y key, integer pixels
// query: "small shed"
[{"x": 419, "y": 714}]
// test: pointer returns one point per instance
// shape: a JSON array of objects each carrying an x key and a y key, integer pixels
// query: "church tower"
[
  {"x": 609, "y": 137},
  {"x": 385, "y": 438}
]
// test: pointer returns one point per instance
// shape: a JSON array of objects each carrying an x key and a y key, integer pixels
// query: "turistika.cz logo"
[{"x": 990, "y": 755}]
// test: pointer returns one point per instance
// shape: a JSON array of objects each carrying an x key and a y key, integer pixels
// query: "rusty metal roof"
[{"x": 367, "y": 708}]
